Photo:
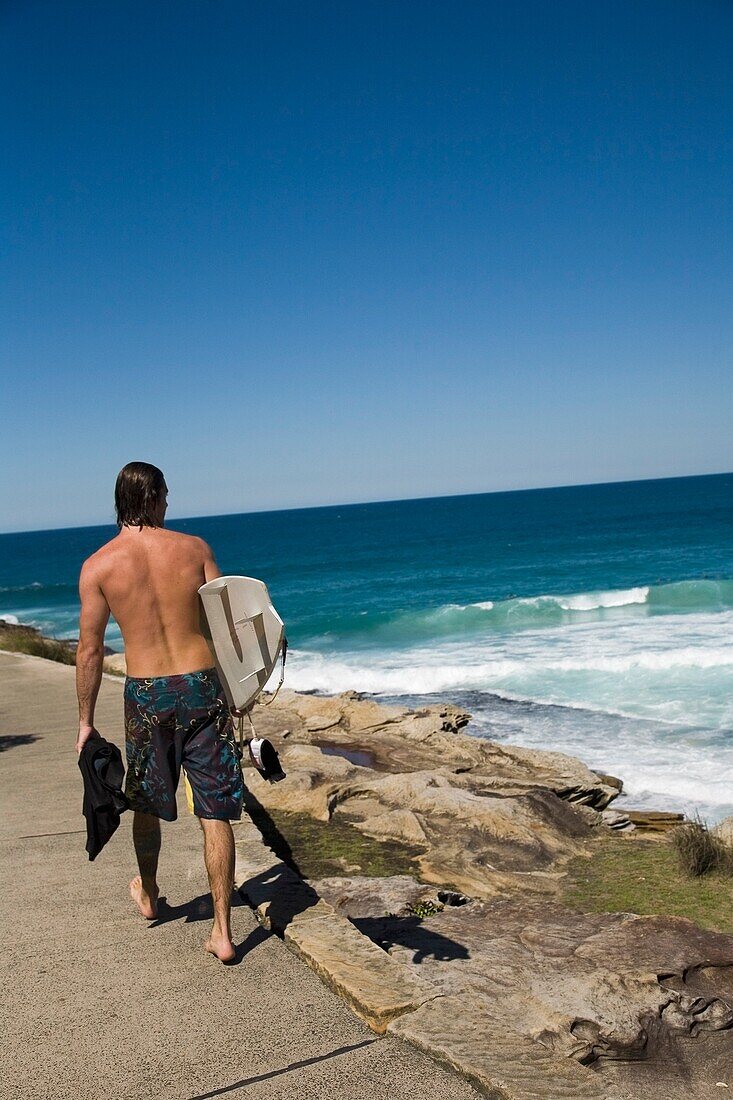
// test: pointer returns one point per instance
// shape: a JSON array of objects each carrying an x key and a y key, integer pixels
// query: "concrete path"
[{"x": 99, "y": 1003}]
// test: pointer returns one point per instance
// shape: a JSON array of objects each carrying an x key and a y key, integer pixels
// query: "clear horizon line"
[{"x": 383, "y": 500}]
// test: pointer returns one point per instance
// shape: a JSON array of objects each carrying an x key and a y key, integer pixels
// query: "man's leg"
[
  {"x": 146, "y": 838},
  {"x": 219, "y": 858}
]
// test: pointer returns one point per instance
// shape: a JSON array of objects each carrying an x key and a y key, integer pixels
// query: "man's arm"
[
  {"x": 90, "y": 651},
  {"x": 211, "y": 569}
]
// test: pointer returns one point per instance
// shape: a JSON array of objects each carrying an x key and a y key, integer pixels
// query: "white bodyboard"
[{"x": 245, "y": 633}]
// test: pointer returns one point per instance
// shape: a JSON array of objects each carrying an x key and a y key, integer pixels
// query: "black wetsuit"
[{"x": 100, "y": 763}]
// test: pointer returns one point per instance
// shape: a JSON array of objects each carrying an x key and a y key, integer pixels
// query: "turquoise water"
[{"x": 594, "y": 620}]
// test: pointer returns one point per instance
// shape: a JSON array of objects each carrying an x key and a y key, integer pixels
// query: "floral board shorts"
[{"x": 181, "y": 721}]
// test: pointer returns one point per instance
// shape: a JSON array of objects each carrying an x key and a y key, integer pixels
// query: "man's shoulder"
[
  {"x": 188, "y": 546},
  {"x": 191, "y": 542},
  {"x": 96, "y": 563},
  {"x": 101, "y": 555}
]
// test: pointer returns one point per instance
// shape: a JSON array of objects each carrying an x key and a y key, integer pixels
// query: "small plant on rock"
[{"x": 423, "y": 909}]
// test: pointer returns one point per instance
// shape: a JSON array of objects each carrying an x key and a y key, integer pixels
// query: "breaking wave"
[
  {"x": 322, "y": 672},
  {"x": 660, "y": 667},
  {"x": 534, "y": 612}
]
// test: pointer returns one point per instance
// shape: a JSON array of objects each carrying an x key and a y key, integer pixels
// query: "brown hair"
[{"x": 138, "y": 492}]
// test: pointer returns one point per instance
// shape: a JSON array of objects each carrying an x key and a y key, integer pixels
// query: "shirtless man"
[{"x": 175, "y": 709}]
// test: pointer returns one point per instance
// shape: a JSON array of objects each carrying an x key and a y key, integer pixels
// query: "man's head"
[{"x": 140, "y": 496}]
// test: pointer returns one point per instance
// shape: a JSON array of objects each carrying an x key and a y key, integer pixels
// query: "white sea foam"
[
  {"x": 685, "y": 658},
  {"x": 539, "y": 661},
  {"x": 27, "y": 587},
  {"x": 580, "y": 601},
  {"x": 591, "y": 601},
  {"x": 663, "y": 766},
  {"x": 12, "y": 620},
  {"x": 649, "y": 699}
]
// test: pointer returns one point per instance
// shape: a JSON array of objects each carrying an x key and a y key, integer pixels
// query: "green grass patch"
[
  {"x": 632, "y": 875},
  {"x": 318, "y": 849},
  {"x": 26, "y": 639}
]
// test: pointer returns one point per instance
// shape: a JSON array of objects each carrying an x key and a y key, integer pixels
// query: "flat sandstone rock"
[
  {"x": 500, "y": 1062},
  {"x": 377, "y": 987},
  {"x": 488, "y": 818},
  {"x": 613, "y": 996},
  {"x": 529, "y": 999}
]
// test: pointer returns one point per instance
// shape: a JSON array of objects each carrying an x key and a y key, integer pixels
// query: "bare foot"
[
  {"x": 146, "y": 903},
  {"x": 221, "y": 946}
]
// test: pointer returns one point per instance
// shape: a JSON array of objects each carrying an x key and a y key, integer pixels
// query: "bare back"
[{"x": 149, "y": 579}]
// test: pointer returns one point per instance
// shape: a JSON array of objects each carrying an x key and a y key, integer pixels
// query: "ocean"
[{"x": 594, "y": 620}]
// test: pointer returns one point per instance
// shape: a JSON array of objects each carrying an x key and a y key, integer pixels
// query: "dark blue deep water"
[{"x": 593, "y": 619}]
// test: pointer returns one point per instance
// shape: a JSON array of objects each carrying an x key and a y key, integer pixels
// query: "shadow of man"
[
  {"x": 411, "y": 932},
  {"x": 201, "y": 909},
  {"x": 280, "y": 886}
]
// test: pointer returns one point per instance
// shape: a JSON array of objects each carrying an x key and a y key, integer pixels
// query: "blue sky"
[{"x": 302, "y": 253}]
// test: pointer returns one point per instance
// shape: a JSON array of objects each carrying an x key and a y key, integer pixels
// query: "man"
[{"x": 176, "y": 713}]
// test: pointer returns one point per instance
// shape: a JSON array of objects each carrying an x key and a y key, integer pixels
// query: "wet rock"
[
  {"x": 620, "y": 822},
  {"x": 655, "y": 821},
  {"x": 610, "y": 780}
]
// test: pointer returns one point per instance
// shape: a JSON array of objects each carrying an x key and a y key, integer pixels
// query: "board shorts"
[{"x": 181, "y": 721}]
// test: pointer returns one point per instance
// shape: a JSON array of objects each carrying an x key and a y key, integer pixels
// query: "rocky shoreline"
[
  {"x": 486, "y": 817},
  {"x": 632, "y": 1001}
]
